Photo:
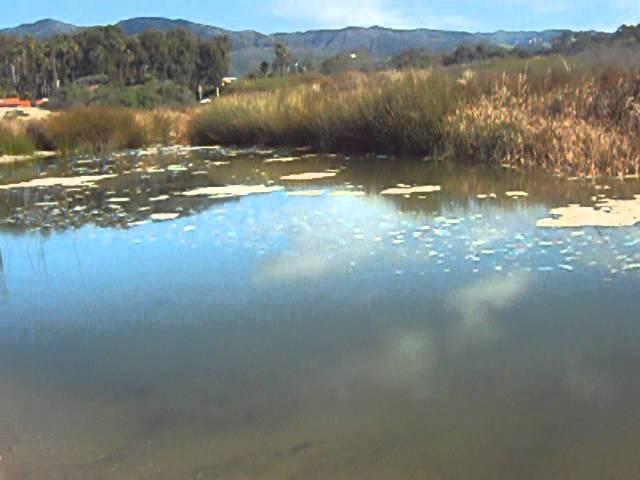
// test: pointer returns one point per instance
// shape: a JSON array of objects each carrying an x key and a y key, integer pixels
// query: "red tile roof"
[{"x": 14, "y": 102}]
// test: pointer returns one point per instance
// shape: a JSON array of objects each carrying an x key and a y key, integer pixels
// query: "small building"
[{"x": 14, "y": 102}]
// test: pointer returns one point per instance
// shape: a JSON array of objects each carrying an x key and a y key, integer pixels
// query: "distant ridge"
[
  {"x": 44, "y": 28},
  {"x": 250, "y": 47}
]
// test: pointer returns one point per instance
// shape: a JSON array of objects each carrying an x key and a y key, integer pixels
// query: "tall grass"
[
  {"x": 14, "y": 141},
  {"x": 566, "y": 117},
  {"x": 592, "y": 129},
  {"x": 385, "y": 113},
  {"x": 162, "y": 126},
  {"x": 96, "y": 129},
  {"x": 269, "y": 84}
]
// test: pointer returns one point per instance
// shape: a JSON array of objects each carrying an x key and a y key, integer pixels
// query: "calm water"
[{"x": 351, "y": 336}]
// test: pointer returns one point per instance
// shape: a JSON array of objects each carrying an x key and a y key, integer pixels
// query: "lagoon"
[{"x": 215, "y": 314}]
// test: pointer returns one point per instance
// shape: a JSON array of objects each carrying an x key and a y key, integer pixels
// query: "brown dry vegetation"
[
  {"x": 586, "y": 130},
  {"x": 567, "y": 118},
  {"x": 100, "y": 129},
  {"x": 14, "y": 139}
]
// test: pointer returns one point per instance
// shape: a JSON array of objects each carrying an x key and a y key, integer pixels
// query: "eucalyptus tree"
[
  {"x": 213, "y": 61},
  {"x": 282, "y": 58},
  {"x": 32, "y": 67}
]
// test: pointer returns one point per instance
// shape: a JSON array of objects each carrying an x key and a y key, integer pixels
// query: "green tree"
[
  {"x": 281, "y": 62},
  {"x": 33, "y": 68},
  {"x": 264, "y": 68},
  {"x": 213, "y": 61}
]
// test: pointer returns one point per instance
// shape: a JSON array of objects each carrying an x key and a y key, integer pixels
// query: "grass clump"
[
  {"x": 13, "y": 141},
  {"x": 383, "y": 113},
  {"x": 163, "y": 126},
  {"x": 39, "y": 134},
  {"x": 568, "y": 117},
  {"x": 588, "y": 130},
  {"x": 96, "y": 129}
]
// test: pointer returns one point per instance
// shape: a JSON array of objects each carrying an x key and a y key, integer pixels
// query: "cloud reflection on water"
[
  {"x": 404, "y": 362},
  {"x": 477, "y": 303},
  {"x": 348, "y": 231}
]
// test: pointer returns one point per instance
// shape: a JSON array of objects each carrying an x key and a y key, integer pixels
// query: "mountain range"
[{"x": 249, "y": 47}]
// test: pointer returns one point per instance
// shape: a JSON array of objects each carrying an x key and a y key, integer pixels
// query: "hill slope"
[
  {"x": 41, "y": 29},
  {"x": 250, "y": 47}
]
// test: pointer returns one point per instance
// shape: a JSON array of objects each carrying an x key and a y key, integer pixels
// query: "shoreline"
[
  {"x": 163, "y": 149},
  {"x": 13, "y": 159}
]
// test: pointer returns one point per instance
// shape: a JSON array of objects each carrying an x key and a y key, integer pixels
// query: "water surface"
[{"x": 438, "y": 335}]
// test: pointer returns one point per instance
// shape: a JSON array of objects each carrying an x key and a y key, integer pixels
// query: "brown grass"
[
  {"x": 549, "y": 113},
  {"x": 542, "y": 113},
  {"x": 163, "y": 126},
  {"x": 589, "y": 130},
  {"x": 14, "y": 139},
  {"x": 96, "y": 129}
]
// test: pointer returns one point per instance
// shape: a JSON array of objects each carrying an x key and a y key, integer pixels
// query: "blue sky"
[{"x": 287, "y": 15}]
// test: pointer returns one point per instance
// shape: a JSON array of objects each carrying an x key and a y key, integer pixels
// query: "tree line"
[
  {"x": 576, "y": 42},
  {"x": 34, "y": 68},
  {"x": 568, "y": 43},
  {"x": 284, "y": 63}
]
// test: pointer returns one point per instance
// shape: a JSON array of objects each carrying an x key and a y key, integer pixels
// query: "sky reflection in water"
[{"x": 276, "y": 336}]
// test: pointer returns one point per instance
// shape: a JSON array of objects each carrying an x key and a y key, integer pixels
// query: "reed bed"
[
  {"x": 568, "y": 118},
  {"x": 95, "y": 129},
  {"x": 564, "y": 117},
  {"x": 102, "y": 129},
  {"x": 588, "y": 130},
  {"x": 14, "y": 139},
  {"x": 384, "y": 113}
]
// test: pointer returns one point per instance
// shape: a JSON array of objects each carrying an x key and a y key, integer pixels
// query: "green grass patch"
[
  {"x": 13, "y": 143},
  {"x": 384, "y": 113},
  {"x": 152, "y": 94}
]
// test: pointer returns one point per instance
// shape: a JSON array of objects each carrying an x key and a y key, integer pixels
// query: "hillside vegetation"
[
  {"x": 249, "y": 48},
  {"x": 92, "y": 57},
  {"x": 573, "y": 112}
]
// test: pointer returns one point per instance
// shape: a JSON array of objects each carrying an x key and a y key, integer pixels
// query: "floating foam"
[
  {"x": 86, "y": 180},
  {"x": 309, "y": 176},
  {"x": 161, "y": 217},
  {"x": 231, "y": 191},
  {"x": 608, "y": 213},
  {"x": 407, "y": 190}
]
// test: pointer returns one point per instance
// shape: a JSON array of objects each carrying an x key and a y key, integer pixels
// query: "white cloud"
[
  {"x": 366, "y": 13},
  {"x": 336, "y": 13}
]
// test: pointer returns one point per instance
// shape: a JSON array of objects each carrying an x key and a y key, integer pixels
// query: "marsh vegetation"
[{"x": 540, "y": 113}]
